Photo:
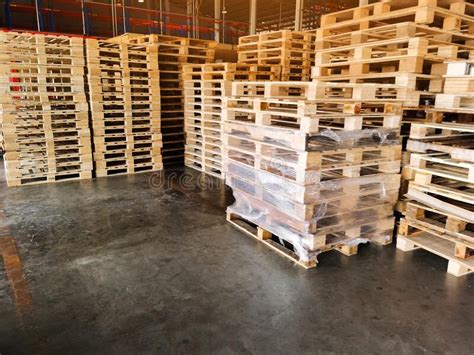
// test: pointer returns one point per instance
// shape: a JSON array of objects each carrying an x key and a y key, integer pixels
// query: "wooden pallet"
[
  {"x": 327, "y": 40},
  {"x": 441, "y": 164},
  {"x": 230, "y": 72},
  {"x": 412, "y": 62},
  {"x": 316, "y": 91},
  {"x": 452, "y": 16},
  {"x": 307, "y": 259},
  {"x": 448, "y": 226},
  {"x": 407, "y": 55},
  {"x": 410, "y": 238},
  {"x": 282, "y": 137},
  {"x": 455, "y": 103},
  {"x": 313, "y": 116},
  {"x": 330, "y": 210},
  {"x": 328, "y": 190},
  {"x": 344, "y": 164},
  {"x": 313, "y": 157},
  {"x": 456, "y": 139}
]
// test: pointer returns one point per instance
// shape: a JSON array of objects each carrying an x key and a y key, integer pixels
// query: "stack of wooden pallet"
[
  {"x": 123, "y": 82},
  {"x": 313, "y": 165},
  {"x": 292, "y": 50},
  {"x": 439, "y": 216},
  {"x": 205, "y": 87},
  {"x": 173, "y": 53},
  {"x": 44, "y": 112},
  {"x": 405, "y": 43}
]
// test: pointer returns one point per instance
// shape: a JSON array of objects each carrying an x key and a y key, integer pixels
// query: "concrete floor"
[{"x": 124, "y": 265}]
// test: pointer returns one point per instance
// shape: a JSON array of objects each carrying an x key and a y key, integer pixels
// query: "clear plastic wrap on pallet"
[
  {"x": 325, "y": 212},
  {"x": 340, "y": 139},
  {"x": 308, "y": 170},
  {"x": 320, "y": 190},
  {"x": 308, "y": 246},
  {"x": 326, "y": 139},
  {"x": 321, "y": 218}
]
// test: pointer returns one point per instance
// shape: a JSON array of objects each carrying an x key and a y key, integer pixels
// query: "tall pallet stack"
[
  {"x": 314, "y": 166},
  {"x": 439, "y": 216},
  {"x": 124, "y": 94},
  {"x": 173, "y": 53},
  {"x": 44, "y": 112},
  {"x": 205, "y": 87},
  {"x": 292, "y": 50},
  {"x": 405, "y": 43}
]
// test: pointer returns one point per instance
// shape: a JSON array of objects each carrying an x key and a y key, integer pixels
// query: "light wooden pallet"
[
  {"x": 463, "y": 41},
  {"x": 462, "y": 103},
  {"x": 346, "y": 244},
  {"x": 329, "y": 211},
  {"x": 456, "y": 139},
  {"x": 333, "y": 188},
  {"x": 444, "y": 224},
  {"x": 412, "y": 62},
  {"x": 453, "y": 16},
  {"x": 316, "y": 91},
  {"x": 344, "y": 164},
  {"x": 442, "y": 131},
  {"x": 410, "y": 238},
  {"x": 312, "y": 116},
  {"x": 338, "y": 138}
]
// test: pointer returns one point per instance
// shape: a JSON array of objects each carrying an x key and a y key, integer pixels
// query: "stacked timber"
[
  {"x": 123, "y": 83},
  {"x": 405, "y": 43},
  {"x": 292, "y": 50},
  {"x": 314, "y": 166},
  {"x": 44, "y": 112},
  {"x": 205, "y": 87},
  {"x": 439, "y": 214},
  {"x": 173, "y": 53}
]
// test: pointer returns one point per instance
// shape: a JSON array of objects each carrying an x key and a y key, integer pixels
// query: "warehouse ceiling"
[{"x": 271, "y": 14}]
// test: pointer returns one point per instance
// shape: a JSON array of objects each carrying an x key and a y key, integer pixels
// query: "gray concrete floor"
[{"x": 122, "y": 265}]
